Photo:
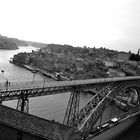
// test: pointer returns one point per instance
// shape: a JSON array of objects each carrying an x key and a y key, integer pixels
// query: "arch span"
[{"x": 89, "y": 120}]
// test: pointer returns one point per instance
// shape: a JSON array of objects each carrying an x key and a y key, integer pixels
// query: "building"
[
  {"x": 16, "y": 125},
  {"x": 114, "y": 72},
  {"x": 123, "y": 56},
  {"x": 110, "y": 63},
  {"x": 134, "y": 63}
]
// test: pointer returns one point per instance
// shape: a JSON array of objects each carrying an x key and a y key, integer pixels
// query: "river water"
[{"x": 50, "y": 107}]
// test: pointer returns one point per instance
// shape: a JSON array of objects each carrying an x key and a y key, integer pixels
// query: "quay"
[
  {"x": 56, "y": 77},
  {"x": 37, "y": 70},
  {"x": 45, "y": 73}
]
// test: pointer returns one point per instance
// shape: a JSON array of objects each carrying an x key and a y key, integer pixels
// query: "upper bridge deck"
[
  {"x": 40, "y": 88},
  {"x": 42, "y": 84}
]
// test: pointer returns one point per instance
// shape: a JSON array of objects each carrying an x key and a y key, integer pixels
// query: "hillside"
[
  {"x": 13, "y": 43},
  {"x": 10, "y": 43},
  {"x": 73, "y": 62},
  {"x": 80, "y": 63}
]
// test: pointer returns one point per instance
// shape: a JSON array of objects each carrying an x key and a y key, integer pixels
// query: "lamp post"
[
  {"x": 34, "y": 72},
  {"x": 7, "y": 82},
  {"x": 44, "y": 83}
]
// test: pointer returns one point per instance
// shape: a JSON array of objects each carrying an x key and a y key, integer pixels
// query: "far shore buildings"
[
  {"x": 110, "y": 63},
  {"x": 123, "y": 56},
  {"x": 122, "y": 66},
  {"x": 115, "y": 72}
]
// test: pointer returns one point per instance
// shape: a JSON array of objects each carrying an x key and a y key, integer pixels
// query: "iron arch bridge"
[
  {"x": 124, "y": 92},
  {"x": 93, "y": 110}
]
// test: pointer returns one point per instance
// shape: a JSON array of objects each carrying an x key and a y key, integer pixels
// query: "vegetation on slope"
[
  {"x": 72, "y": 62},
  {"x": 78, "y": 63},
  {"x": 10, "y": 43},
  {"x": 13, "y": 43}
]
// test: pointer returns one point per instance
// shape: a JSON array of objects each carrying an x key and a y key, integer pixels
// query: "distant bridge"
[{"x": 105, "y": 91}]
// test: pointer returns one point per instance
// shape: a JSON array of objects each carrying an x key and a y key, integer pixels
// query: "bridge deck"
[
  {"x": 34, "y": 125},
  {"x": 41, "y": 84}
]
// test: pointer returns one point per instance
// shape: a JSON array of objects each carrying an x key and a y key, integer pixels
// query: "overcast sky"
[{"x": 113, "y": 24}]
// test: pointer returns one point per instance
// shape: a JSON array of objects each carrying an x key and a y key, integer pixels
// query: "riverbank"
[
  {"x": 37, "y": 70},
  {"x": 47, "y": 107},
  {"x": 54, "y": 76}
]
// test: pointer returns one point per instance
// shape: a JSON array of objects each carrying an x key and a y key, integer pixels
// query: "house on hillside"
[
  {"x": 110, "y": 63},
  {"x": 114, "y": 72},
  {"x": 123, "y": 56},
  {"x": 134, "y": 63}
]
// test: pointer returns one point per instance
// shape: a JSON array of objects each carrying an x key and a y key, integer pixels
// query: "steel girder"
[
  {"x": 23, "y": 103},
  {"x": 89, "y": 114},
  {"x": 15, "y": 94},
  {"x": 35, "y": 90},
  {"x": 72, "y": 111},
  {"x": 92, "y": 111}
]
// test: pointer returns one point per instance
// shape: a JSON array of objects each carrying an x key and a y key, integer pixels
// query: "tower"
[{"x": 138, "y": 52}]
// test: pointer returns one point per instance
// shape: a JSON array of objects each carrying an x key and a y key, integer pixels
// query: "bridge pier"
[
  {"x": 138, "y": 92},
  {"x": 0, "y": 102},
  {"x": 23, "y": 104},
  {"x": 72, "y": 111}
]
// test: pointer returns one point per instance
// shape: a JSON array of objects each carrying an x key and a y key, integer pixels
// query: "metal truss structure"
[
  {"x": 93, "y": 110},
  {"x": 72, "y": 111},
  {"x": 23, "y": 103},
  {"x": 106, "y": 91},
  {"x": 33, "y": 92},
  {"x": 34, "y": 89}
]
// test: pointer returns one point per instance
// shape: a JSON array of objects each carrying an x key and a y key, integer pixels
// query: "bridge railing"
[
  {"x": 20, "y": 85},
  {"x": 31, "y": 85},
  {"x": 43, "y": 83}
]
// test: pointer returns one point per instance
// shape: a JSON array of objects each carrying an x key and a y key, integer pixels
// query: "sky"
[{"x": 113, "y": 24}]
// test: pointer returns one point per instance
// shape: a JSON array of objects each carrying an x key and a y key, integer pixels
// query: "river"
[{"x": 50, "y": 107}]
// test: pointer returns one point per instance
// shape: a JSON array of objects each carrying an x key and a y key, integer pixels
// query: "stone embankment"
[{"x": 54, "y": 76}]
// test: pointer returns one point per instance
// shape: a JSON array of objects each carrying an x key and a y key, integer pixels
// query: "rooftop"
[{"x": 34, "y": 125}]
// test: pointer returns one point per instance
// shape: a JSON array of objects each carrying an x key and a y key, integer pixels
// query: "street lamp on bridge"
[
  {"x": 34, "y": 72},
  {"x": 7, "y": 81}
]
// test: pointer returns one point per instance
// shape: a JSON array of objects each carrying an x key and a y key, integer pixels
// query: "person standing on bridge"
[{"x": 6, "y": 84}]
